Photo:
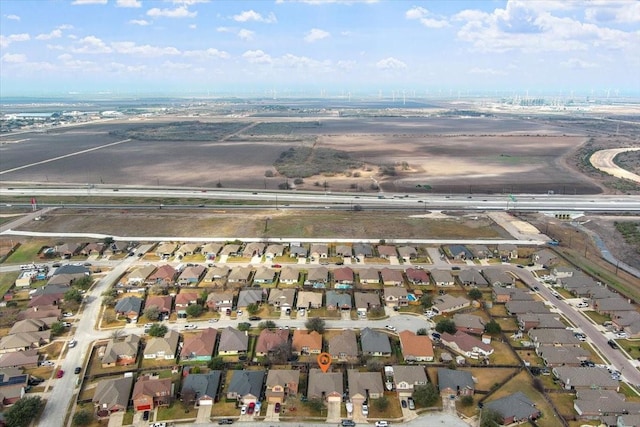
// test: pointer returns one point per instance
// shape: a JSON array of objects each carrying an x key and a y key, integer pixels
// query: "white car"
[
  {"x": 391, "y": 328},
  {"x": 243, "y": 410},
  {"x": 365, "y": 410},
  {"x": 382, "y": 424},
  {"x": 622, "y": 334},
  {"x": 190, "y": 326},
  {"x": 239, "y": 312}
]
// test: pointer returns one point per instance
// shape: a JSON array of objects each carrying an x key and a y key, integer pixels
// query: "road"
[
  {"x": 280, "y": 199},
  {"x": 604, "y": 161}
]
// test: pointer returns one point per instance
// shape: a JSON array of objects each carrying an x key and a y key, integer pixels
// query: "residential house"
[
  {"x": 68, "y": 250},
  {"x": 480, "y": 251},
  {"x": 469, "y": 323},
  {"x": 120, "y": 352},
  {"x": 306, "y": 342},
  {"x": 363, "y": 250},
  {"x": 289, "y": 276},
  {"x": 338, "y": 301},
  {"x": 187, "y": 249},
  {"x": 365, "y": 301},
  {"x": 611, "y": 306},
  {"x": 471, "y": 277},
  {"x": 343, "y": 276},
  {"x": 140, "y": 275},
  {"x": 417, "y": 276},
  {"x": 130, "y": 307},
  {"x": 250, "y": 296},
  {"x": 343, "y": 347},
  {"x": 268, "y": 340},
  {"x": 92, "y": 249},
  {"x": 198, "y": 347},
  {"x": 274, "y": 250},
  {"x": 72, "y": 269},
  {"x": 344, "y": 251},
  {"x": 507, "y": 251},
  {"x": 597, "y": 404},
  {"x": 391, "y": 277},
  {"x": 166, "y": 250},
  {"x": 46, "y": 300},
  {"x": 186, "y": 298},
  {"x": 364, "y": 385},
  {"x": 297, "y": 251},
  {"x": 253, "y": 249},
  {"x": 246, "y": 386},
  {"x": 282, "y": 299},
  {"x": 387, "y": 251},
  {"x": 369, "y": 276},
  {"x": 28, "y": 325},
  {"x": 319, "y": 250},
  {"x": 163, "y": 302},
  {"x": 374, "y": 343},
  {"x": 190, "y": 276},
  {"x": 20, "y": 359},
  {"x": 544, "y": 258},
  {"x": 416, "y": 348},
  {"x": 24, "y": 341},
  {"x": 448, "y": 303},
  {"x": 407, "y": 253},
  {"x": 116, "y": 248},
  {"x": 326, "y": 386},
  {"x": 281, "y": 383},
  {"x": 318, "y": 277},
  {"x": 165, "y": 347},
  {"x": 466, "y": 345},
  {"x": 396, "y": 297},
  {"x": 406, "y": 377},
  {"x": 527, "y": 321},
  {"x": 308, "y": 300},
  {"x": 13, "y": 384},
  {"x": 204, "y": 387},
  {"x": 557, "y": 337},
  {"x": 504, "y": 295},
  {"x": 575, "y": 282},
  {"x": 233, "y": 342},
  {"x": 151, "y": 392},
  {"x": 583, "y": 378},
  {"x": 520, "y": 307},
  {"x": 164, "y": 275},
  {"x": 220, "y": 301},
  {"x": 562, "y": 355},
  {"x": 628, "y": 321},
  {"x": 230, "y": 250},
  {"x": 497, "y": 277},
  {"x": 563, "y": 272},
  {"x": 264, "y": 276},
  {"x": 210, "y": 250},
  {"x": 454, "y": 382},
  {"x": 515, "y": 407},
  {"x": 42, "y": 312},
  {"x": 442, "y": 277},
  {"x": 458, "y": 252},
  {"x": 112, "y": 395},
  {"x": 240, "y": 276},
  {"x": 216, "y": 274}
]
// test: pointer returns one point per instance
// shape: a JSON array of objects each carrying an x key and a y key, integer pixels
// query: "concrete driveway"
[
  {"x": 116, "y": 419},
  {"x": 204, "y": 415},
  {"x": 271, "y": 413},
  {"x": 333, "y": 412}
]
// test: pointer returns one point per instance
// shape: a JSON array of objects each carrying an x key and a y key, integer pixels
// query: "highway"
[{"x": 316, "y": 200}]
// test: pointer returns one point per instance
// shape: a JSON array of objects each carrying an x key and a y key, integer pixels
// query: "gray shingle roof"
[
  {"x": 514, "y": 405},
  {"x": 246, "y": 382},
  {"x": 203, "y": 384},
  {"x": 454, "y": 379},
  {"x": 374, "y": 341}
]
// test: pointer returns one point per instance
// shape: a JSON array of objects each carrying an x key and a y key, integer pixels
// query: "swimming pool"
[{"x": 412, "y": 297}]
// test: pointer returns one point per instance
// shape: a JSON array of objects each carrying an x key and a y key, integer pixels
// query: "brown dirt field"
[{"x": 282, "y": 223}]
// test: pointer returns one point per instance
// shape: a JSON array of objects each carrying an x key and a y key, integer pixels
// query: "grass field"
[
  {"x": 7, "y": 280},
  {"x": 27, "y": 252}
]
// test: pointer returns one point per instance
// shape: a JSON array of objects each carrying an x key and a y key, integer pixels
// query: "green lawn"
[
  {"x": 27, "y": 252},
  {"x": 597, "y": 317},
  {"x": 7, "y": 280}
]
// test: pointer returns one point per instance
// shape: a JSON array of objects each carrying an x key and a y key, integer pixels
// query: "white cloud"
[
  {"x": 55, "y": 34},
  {"x": 141, "y": 22},
  {"x": 257, "y": 57},
  {"x": 208, "y": 53},
  {"x": 175, "y": 65},
  {"x": 131, "y": 48},
  {"x": 318, "y": 2},
  {"x": 65, "y": 57},
  {"x": 578, "y": 64},
  {"x": 613, "y": 11},
  {"x": 118, "y": 67},
  {"x": 316, "y": 34},
  {"x": 251, "y": 15},
  {"x": 246, "y": 35},
  {"x": 179, "y": 12},
  {"x": 7, "y": 40},
  {"x": 391, "y": 64},
  {"x": 84, "y": 2},
  {"x": 346, "y": 65},
  {"x": 14, "y": 58},
  {"x": 193, "y": 26},
  {"x": 487, "y": 71},
  {"x": 224, "y": 30},
  {"x": 425, "y": 17},
  {"x": 91, "y": 44},
  {"x": 129, "y": 3},
  {"x": 12, "y": 17}
]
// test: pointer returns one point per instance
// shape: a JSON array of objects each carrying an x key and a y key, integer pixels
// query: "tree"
[
  {"x": 421, "y": 331},
  {"x": 152, "y": 313},
  {"x": 23, "y": 411},
  {"x": 158, "y": 330},
  {"x": 446, "y": 325},
  {"x": 466, "y": 401},
  {"x": 381, "y": 404},
  {"x": 57, "y": 328},
  {"x": 116, "y": 334},
  {"x": 475, "y": 294},
  {"x": 374, "y": 365},
  {"x": 73, "y": 295},
  {"x": 194, "y": 310},
  {"x": 426, "y": 300},
  {"x": 280, "y": 354},
  {"x": 426, "y": 395},
  {"x": 216, "y": 363},
  {"x": 82, "y": 418},
  {"x": 267, "y": 324},
  {"x": 268, "y": 173},
  {"x": 492, "y": 327},
  {"x": 83, "y": 282},
  {"x": 490, "y": 418},
  {"x": 253, "y": 308},
  {"x": 315, "y": 324},
  {"x": 244, "y": 326}
]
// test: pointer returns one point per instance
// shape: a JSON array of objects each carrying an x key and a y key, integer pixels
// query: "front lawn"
[
  {"x": 597, "y": 317},
  {"x": 176, "y": 411}
]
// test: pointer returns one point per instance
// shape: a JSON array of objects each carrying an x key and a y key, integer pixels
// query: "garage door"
[
  {"x": 143, "y": 408},
  {"x": 206, "y": 402}
]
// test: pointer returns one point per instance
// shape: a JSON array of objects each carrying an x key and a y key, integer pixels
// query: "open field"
[{"x": 448, "y": 153}]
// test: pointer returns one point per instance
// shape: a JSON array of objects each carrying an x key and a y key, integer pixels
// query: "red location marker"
[{"x": 324, "y": 361}]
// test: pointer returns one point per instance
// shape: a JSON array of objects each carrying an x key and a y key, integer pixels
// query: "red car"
[
  {"x": 276, "y": 266},
  {"x": 277, "y": 408},
  {"x": 251, "y": 408},
  {"x": 60, "y": 373}
]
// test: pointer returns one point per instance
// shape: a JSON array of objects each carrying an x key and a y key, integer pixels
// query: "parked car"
[
  {"x": 239, "y": 313},
  {"x": 243, "y": 410},
  {"x": 612, "y": 344},
  {"x": 191, "y": 326},
  {"x": 365, "y": 410},
  {"x": 225, "y": 421},
  {"x": 60, "y": 373},
  {"x": 251, "y": 408},
  {"x": 435, "y": 335},
  {"x": 145, "y": 416},
  {"x": 72, "y": 343},
  {"x": 382, "y": 423},
  {"x": 412, "y": 404},
  {"x": 276, "y": 409},
  {"x": 77, "y": 370},
  {"x": 254, "y": 318},
  {"x": 67, "y": 315},
  {"x": 404, "y": 403},
  {"x": 348, "y": 423},
  {"x": 276, "y": 266},
  {"x": 213, "y": 320},
  {"x": 391, "y": 328}
]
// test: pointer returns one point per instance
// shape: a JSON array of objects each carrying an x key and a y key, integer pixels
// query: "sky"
[{"x": 319, "y": 47}]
